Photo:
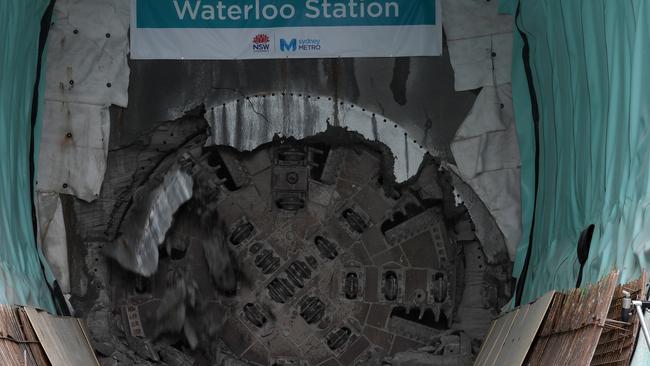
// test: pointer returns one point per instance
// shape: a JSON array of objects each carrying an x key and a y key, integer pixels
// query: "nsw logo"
[{"x": 262, "y": 43}]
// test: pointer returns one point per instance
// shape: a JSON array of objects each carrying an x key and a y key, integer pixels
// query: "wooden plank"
[
  {"x": 507, "y": 321},
  {"x": 63, "y": 339},
  {"x": 37, "y": 350},
  {"x": 492, "y": 344},
  {"x": 524, "y": 330},
  {"x": 573, "y": 327},
  {"x": 540, "y": 342},
  {"x": 14, "y": 346},
  {"x": 488, "y": 342},
  {"x": 512, "y": 335}
]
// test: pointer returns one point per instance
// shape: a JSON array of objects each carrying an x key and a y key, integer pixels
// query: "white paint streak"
[{"x": 248, "y": 123}]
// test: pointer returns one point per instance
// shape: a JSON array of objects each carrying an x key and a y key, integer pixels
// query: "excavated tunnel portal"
[{"x": 303, "y": 253}]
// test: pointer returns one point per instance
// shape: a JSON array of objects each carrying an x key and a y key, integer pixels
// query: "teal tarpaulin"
[
  {"x": 591, "y": 76},
  {"x": 21, "y": 277}
]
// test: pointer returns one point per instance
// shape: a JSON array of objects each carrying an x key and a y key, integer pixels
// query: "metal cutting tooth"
[
  {"x": 326, "y": 248},
  {"x": 355, "y": 221},
  {"x": 299, "y": 269},
  {"x": 291, "y": 154},
  {"x": 297, "y": 272},
  {"x": 256, "y": 248},
  {"x": 263, "y": 257},
  {"x": 338, "y": 338},
  {"x": 351, "y": 286},
  {"x": 295, "y": 280},
  {"x": 278, "y": 292},
  {"x": 391, "y": 286},
  {"x": 312, "y": 309},
  {"x": 241, "y": 233},
  {"x": 313, "y": 263},
  {"x": 276, "y": 296},
  {"x": 267, "y": 261},
  {"x": 281, "y": 290},
  {"x": 439, "y": 287},
  {"x": 254, "y": 315}
]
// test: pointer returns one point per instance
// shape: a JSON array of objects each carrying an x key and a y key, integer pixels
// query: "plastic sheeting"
[
  {"x": 21, "y": 277},
  {"x": 51, "y": 230},
  {"x": 487, "y": 156},
  {"x": 485, "y": 146},
  {"x": 87, "y": 72},
  {"x": 479, "y": 41},
  {"x": 74, "y": 149},
  {"x": 481, "y": 61},
  {"x": 87, "y": 51},
  {"x": 589, "y": 65}
]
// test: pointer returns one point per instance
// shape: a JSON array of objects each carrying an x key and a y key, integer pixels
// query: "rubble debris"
[
  {"x": 180, "y": 297},
  {"x": 448, "y": 349},
  {"x": 221, "y": 263},
  {"x": 173, "y": 357}
]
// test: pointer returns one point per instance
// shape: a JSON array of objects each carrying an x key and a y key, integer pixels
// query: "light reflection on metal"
[
  {"x": 146, "y": 225},
  {"x": 249, "y": 122}
]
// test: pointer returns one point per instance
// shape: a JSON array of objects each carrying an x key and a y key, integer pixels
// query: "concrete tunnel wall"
[{"x": 417, "y": 92}]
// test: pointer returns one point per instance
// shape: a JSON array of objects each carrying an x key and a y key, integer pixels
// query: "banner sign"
[{"x": 255, "y": 29}]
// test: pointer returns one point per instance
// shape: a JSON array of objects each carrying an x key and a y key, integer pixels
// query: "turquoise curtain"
[
  {"x": 590, "y": 62},
  {"x": 21, "y": 277}
]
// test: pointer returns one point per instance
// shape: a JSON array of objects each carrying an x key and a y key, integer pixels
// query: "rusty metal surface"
[{"x": 573, "y": 326}]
